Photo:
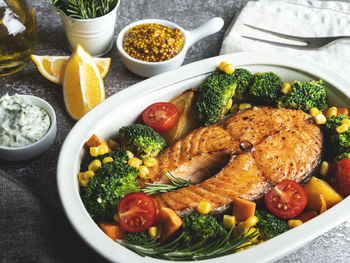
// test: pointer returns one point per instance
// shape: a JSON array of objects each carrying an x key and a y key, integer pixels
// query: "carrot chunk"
[
  {"x": 343, "y": 111},
  {"x": 243, "y": 209},
  {"x": 112, "y": 230},
  {"x": 170, "y": 222}
]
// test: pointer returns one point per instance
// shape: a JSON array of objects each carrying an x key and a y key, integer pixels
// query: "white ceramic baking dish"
[{"x": 124, "y": 107}]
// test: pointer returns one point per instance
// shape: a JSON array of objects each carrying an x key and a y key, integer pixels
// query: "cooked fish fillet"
[{"x": 244, "y": 155}]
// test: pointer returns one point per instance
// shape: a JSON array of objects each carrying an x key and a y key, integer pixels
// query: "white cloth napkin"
[{"x": 294, "y": 17}]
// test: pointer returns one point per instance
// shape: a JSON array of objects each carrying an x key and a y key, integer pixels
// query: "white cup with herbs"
[{"x": 89, "y": 23}]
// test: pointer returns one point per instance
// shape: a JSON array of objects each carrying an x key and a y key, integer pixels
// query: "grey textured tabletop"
[{"x": 33, "y": 227}]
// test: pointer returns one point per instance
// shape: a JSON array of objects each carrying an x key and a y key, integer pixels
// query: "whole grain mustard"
[{"x": 153, "y": 42}]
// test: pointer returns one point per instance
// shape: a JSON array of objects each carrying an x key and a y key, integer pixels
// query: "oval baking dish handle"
[{"x": 210, "y": 27}]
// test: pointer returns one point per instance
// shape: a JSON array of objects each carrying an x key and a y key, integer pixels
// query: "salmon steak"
[{"x": 243, "y": 155}]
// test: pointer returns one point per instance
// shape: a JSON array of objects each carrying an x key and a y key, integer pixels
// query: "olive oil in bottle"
[{"x": 18, "y": 35}]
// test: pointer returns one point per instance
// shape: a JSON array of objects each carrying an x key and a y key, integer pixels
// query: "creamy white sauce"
[{"x": 21, "y": 122}]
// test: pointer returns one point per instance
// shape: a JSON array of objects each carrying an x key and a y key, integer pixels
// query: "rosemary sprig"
[
  {"x": 181, "y": 250},
  {"x": 85, "y": 9},
  {"x": 176, "y": 183}
]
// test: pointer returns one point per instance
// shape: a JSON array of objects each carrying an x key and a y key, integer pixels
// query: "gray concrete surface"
[{"x": 39, "y": 175}]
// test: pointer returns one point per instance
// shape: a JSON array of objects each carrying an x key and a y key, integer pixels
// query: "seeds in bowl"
[{"x": 152, "y": 42}]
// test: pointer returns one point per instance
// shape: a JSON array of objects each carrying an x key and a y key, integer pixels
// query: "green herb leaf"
[
  {"x": 176, "y": 183},
  {"x": 181, "y": 250},
  {"x": 85, "y": 9}
]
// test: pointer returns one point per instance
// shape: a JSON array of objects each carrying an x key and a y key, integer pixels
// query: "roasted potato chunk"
[{"x": 186, "y": 121}]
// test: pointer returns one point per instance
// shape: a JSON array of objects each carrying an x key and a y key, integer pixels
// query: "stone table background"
[{"x": 33, "y": 227}]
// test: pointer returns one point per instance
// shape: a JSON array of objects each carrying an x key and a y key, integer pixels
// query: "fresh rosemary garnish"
[
  {"x": 85, "y": 9},
  {"x": 186, "y": 250},
  {"x": 176, "y": 183}
]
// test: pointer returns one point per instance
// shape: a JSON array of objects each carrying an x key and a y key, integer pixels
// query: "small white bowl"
[
  {"x": 149, "y": 69},
  {"x": 36, "y": 148}
]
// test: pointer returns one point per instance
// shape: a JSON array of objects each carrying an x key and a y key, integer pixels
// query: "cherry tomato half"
[
  {"x": 286, "y": 200},
  {"x": 160, "y": 116},
  {"x": 340, "y": 176},
  {"x": 137, "y": 212}
]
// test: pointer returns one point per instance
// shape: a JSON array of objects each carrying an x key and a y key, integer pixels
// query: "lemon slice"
[
  {"x": 83, "y": 86},
  {"x": 52, "y": 67}
]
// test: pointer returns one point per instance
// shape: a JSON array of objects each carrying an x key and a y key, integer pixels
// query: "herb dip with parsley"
[{"x": 21, "y": 122}]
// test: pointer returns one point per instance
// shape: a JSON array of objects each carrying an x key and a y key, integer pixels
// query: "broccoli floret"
[
  {"x": 265, "y": 88},
  {"x": 343, "y": 156},
  {"x": 110, "y": 183},
  {"x": 244, "y": 80},
  {"x": 142, "y": 140},
  {"x": 119, "y": 154},
  {"x": 269, "y": 225},
  {"x": 140, "y": 238},
  {"x": 339, "y": 143},
  {"x": 305, "y": 96},
  {"x": 201, "y": 227},
  {"x": 213, "y": 95}
]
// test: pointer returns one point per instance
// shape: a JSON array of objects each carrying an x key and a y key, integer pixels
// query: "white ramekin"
[
  {"x": 149, "y": 69},
  {"x": 36, "y": 148}
]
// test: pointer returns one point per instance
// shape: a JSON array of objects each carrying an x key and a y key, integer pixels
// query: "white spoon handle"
[{"x": 210, "y": 27}]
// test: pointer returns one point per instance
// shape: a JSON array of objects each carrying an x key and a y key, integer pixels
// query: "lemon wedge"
[
  {"x": 53, "y": 67},
  {"x": 83, "y": 86}
]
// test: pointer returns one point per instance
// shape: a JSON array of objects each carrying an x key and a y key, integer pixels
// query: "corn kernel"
[
  {"x": 204, "y": 207},
  {"x": 345, "y": 121},
  {"x": 314, "y": 112},
  {"x": 81, "y": 178},
  {"x": 332, "y": 111},
  {"x": 324, "y": 168},
  {"x": 93, "y": 151},
  {"x": 88, "y": 174},
  {"x": 244, "y": 106},
  {"x": 229, "y": 221},
  {"x": 234, "y": 107},
  {"x": 129, "y": 154},
  {"x": 229, "y": 104},
  {"x": 229, "y": 68},
  {"x": 342, "y": 128},
  {"x": 84, "y": 183},
  {"x": 143, "y": 171},
  {"x": 99, "y": 200},
  {"x": 152, "y": 232},
  {"x": 116, "y": 217},
  {"x": 255, "y": 108},
  {"x": 294, "y": 222},
  {"x": 320, "y": 119},
  {"x": 94, "y": 165},
  {"x": 135, "y": 162},
  {"x": 286, "y": 88},
  {"x": 112, "y": 144},
  {"x": 251, "y": 221},
  {"x": 102, "y": 149},
  {"x": 150, "y": 161},
  {"x": 222, "y": 65},
  {"x": 84, "y": 177},
  {"x": 107, "y": 160}
]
